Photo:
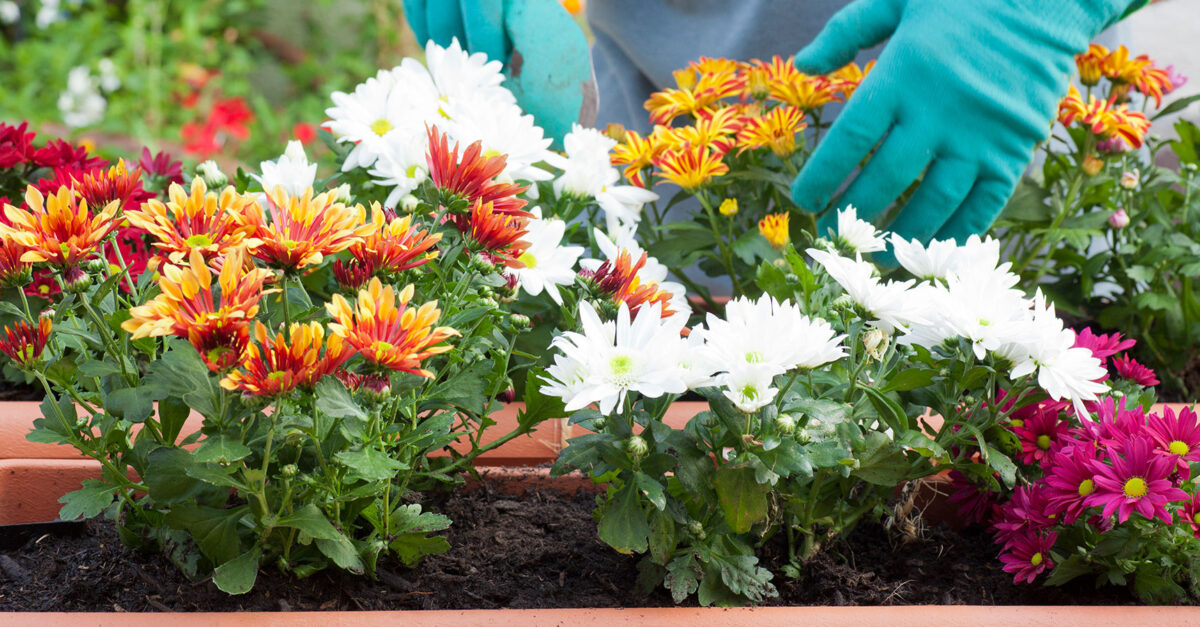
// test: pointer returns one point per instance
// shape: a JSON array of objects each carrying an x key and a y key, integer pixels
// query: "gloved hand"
[
  {"x": 544, "y": 52},
  {"x": 965, "y": 87}
]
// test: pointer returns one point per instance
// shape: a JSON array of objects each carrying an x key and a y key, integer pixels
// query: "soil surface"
[{"x": 534, "y": 550}]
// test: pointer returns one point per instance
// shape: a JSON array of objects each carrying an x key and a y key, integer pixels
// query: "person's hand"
[
  {"x": 967, "y": 88},
  {"x": 544, "y": 52}
]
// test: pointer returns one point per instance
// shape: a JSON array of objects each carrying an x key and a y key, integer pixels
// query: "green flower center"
[
  {"x": 1017, "y": 423},
  {"x": 1043, "y": 442},
  {"x": 754, "y": 357},
  {"x": 381, "y": 127},
  {"x": 621, "y": 366},
  {"x": 749, "y": 392},
  {"x": 528, "y": 259},
  {"x": 1135, "y": 488},
  {"x": 1178, "y": 448},
  {"x": 1036, "y": 559},
  {"x": 1086, "y": 487},
  {"x": 198, "y": 240}
]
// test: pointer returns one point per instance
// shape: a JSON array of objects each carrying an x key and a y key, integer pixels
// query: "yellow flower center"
[
  {"x": 528, "y": 259},
  {"x": 1196, "y": 518},
  {"x": 381, "y": 127},
  {"x": 1036, "y": 559},
  {"x": 1086, "y": 487},
  {"x": 1135, "y": 488},
  {"x": 1178, "y": 448},
  {"x": 198, "y": 240},
  {"x": 1017, "y": 422},
  {"x": 1043, "y": 442}
]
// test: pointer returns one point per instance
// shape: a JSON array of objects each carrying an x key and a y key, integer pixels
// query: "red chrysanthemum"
[
  {"x": 1130, "y": 369},
  {"x": 102, "y": 186},
  {"x": 16, "y": 146},
  {"x": 60, "y": 153},
  {"x": 161, "y": 166},
  {"x": 471, "y": 177}
]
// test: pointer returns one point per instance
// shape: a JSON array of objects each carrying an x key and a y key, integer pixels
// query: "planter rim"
[{"x": 894, "y": 616}]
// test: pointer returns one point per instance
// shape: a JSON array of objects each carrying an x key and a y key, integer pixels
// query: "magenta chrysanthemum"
[
  {"x": 974, "y": 504},
  {"x": 1025, "y": 512},
  {"x": 1177, "y": 436},
  {"x": 1114, "y": 424},
  {"x": 1070, "y": 481},
  {"x": 1190, "y": 513},
  {"x": 1041, "y": 435},
  {"x": 1102, "y": 346},
  {"x": 1130, "y": 369},
  {"x": 1136, "y": 481},
  {"x": 1027, "y": 555}
]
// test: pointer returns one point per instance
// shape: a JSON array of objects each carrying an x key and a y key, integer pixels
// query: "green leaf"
[
  {"x": 370, "y": 464},
  {"x": 88, "y": 501},
  {"x": 166, "y": 476},
  {"x": 743, "y": 499},
  {"x": 411, "y": 547},
  {"x": 333, "y": 399},
  {"x": 910, "y": 379},
  {"x": 343, "y": 553},
  {"x": 215, "y": 475},
  {"x": 651, "y": 489},
  {"x": 215, "y": 530},
  {"x": 683, "y": 576},
  {"x": 1067, "y": 570},
  {"x": 238, "y": 574},
  {"x": 220, "y": 448},
  {"x": 999, "y": 462},
  {"x": 1028, "y": 203},
  {"x": 311, "y": 520},
  {"x": 539, "y": 407},
  {"x": 97, "y": 368},
  {"x": 623, "y": 526},
  {"x": 889, "y": 410},
  {"x": 662, "y": 539},
  {"x": 172, "y": 414},
  {"x": 1179, "y": 104},
  {"x": 883, "y": 462},
  {"x": 181, "y": 373}
]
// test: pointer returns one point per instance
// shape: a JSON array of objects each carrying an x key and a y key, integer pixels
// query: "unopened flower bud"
[
  {"x": 76, "y": 280},
  {"x": 637, "y": 446},
  {"x": 729, "y": 207},
  {"x": 377, "y": 387},
  {"x": 1118, "y": 219},
  {"x": 212, "y": 174},
  {"x": 343, "y": 194},
  {"x": 1092, "y": 165},
  {"x": 696, "y": 529},
  {"x": 875, "y": 343},
  {"x": 507, "y": 396},
  {"x": 599, "y": 423},
  {"x": 1190, "y": 167},
  {"x": 785, "y": 423},
  {"x": 409, "y": 203},
  {"x": 842, "y": 302},
  {"x": 1129, "y": 179},
  {"x": 520, "y": 321},
  {"x": 290, "y": 471},
  {"x": 489, "y": 302},
  {"x": 482, "y": 265}
]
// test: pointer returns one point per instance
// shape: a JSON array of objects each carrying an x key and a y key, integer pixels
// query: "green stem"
[
  {"x": 726, "y": 257},
  {"x": 106, "y": 336}
]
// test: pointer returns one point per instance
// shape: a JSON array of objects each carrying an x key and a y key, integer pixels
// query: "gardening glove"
[
  {"x": 545, "y": 54},
  {"x": 967, "y": 88}
]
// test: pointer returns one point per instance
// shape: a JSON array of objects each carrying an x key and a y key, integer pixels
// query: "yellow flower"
[
  {"x": 729, "y": 207},
  {"x": 395, "y": 337},
  {"x": 304, "y": 229},
  {"x": 1090, "y": 64},
  {"x": 849, "y": 77},
  {"x": 691, "y": 166},
  {"x": 276, "y": 365},
  {"x": 636, "y": 153},
  {"x": 713, "y": 128},
  {"x": 774, "y": 228},
  {"x": 791, "y": 86},
  {"x": 58, "y": 229},
  {"x": 776, "y": 130},
  {"x": 196, "y": 219},
  {"x": 666, "y": 105}
]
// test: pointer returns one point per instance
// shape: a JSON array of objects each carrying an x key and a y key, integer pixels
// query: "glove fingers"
[
  {"x": 417, "y": 18},
  {"x": 444, "y": 21},
  {"x": 978, "y": 211},
  {"x": 483, "y": 23},
  {"x": 860, "y": 126},
  {"x": 897, "y": 163},
  {"x": 946, "y": 185},
  {"x": 859, "y": 25}
]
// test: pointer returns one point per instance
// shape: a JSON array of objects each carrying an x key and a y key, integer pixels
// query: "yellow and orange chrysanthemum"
[
  {"x": 497, "y": 234},
  {"x": 299, "y": 231},
  {"x": 13, "y": 271},
  {"x": 774, "y": 227},
  {"x": 187, "y": 308},
  {"x": 690, "y": 166},
  {"x": 692, "y": 96},
  {"x": 1103, "y": 118},
  {"x": 1139, "y": 72},
  {"x": 617, "y": 278},
  {"x": 199, "y": 219},
  {"x": 793, "y": 87},
  {"x": 847, "y": 78},
  {"x": 715, "y": 128},
  {"x": 776, "y": 129},
  {"x": 394, "y": 245},
  {"x": 386, "y": 331},
  {"x": 637, "y": 154},
  {"x": 275, "y": 365},
  {"x": 1091, "y": 64},
  {"x": 58, "y": 229}
]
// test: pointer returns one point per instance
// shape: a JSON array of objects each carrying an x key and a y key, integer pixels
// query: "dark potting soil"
[{"x": 535, "y": 550}]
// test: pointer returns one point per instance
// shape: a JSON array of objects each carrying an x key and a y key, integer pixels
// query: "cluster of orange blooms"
[
  {"x": 1110, "y": 118},
  {"x": 746, "y": 106},
  {"x": 200, "y": 232}
]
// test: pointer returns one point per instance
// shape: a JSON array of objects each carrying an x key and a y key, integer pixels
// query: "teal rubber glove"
[
  {"x": 545, "y": 54},
  {"x": 963, "y": 91}
]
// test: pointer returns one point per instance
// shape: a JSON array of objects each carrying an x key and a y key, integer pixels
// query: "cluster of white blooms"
[
  {"x": 81, "y": 103},
  {"x": 386, "y": 119},
  {"x": 964, "y": 292},
  {"x": 742, "y": 353},
  {"x": 588, "y": 172}
]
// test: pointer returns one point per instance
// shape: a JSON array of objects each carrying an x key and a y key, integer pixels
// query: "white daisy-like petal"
[
  {"x": 291, "y": 170},
  {"x": 548, "y": 263},
  {"x": 859, "y": 236}
]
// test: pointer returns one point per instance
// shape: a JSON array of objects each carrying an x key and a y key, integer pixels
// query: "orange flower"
[
  {"x": 390, "y": 335},
  {"x": 394, "y": 245},
  {"x": 1103, "y": 118},
  {"x": 798, "y": 89},
  {"x": 186, "y": 307},
  {"x": 774, "y": 227},
  {"x": 776, "y": 129},
  {"x": 496, "y": 234},
  {"x": 1139, "y": 72},
  {"x": 115, "y": 183},
  {"x": 304, "y": 229},
  {"x": 202, "y": 220},
  {"x": 58, "y": 229},
  {"x": 13, "y": 271},
  {"x": 847, "y": 78},
  {"x": 276, "y": 365},
  {"x": 691, "y": 166},
  {"x": 471, "y": 177},
  {"x": 636, "y": 153},
  {"x": 617, "y": 278},
  {"x": 1091, "y": 64},
  {"x": 713, "y": 128},
  {"x": 24, "y": 343},
  {"x": 666, "y": 105}
]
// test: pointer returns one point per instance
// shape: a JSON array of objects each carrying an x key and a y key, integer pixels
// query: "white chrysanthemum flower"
[
  {"x": 401, "y": 165},
  {"x": 81, "y": 104},
  {"x": 892, "y": 303},
  {"x": 48, "y": 14},
  {"x": 694, "y": 363},
  {"x": 548, "y": 263},
  {"x": 985, "y": 307},
  {"x": 859, "y": 236},
  {"x": 368, "y": 118},
  {"x": 941, "y": 257},
  {"x": 456, "y": 74},
  {"x": 652, "y": 271},
  {"x": 767, "y": 333},
  {"x": 291, "y": 170},
  {"x": 608, "y": 360},
  {"x": 749, "y": 387},
  {"x": 587, "y": 172},
  {"x": 502, "y": 129},
  {"x": 109, "y": 81},
  {"x": 1063, "y": 370},
  {"x": 622, "y": 205}
]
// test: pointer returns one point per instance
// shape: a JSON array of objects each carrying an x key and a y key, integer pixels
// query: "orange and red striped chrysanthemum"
[{"x": 386, "y": 331}]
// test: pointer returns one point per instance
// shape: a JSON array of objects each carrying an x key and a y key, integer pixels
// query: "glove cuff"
[{"x": 1088, "y": 17}]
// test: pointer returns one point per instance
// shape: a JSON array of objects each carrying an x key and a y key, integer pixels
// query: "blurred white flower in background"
[
  {"x": 9, "y": 12},
  {"x": 109, "y": 81},
  {"x": 48, "y": 14},
  {"x": 81, "y": 104}
]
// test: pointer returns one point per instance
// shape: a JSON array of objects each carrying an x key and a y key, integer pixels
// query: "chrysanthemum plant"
[
  {"x": 817, "y": 397},
  {"x": 334, "y": 353},
  {"x": 1106, "y": 224}
]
